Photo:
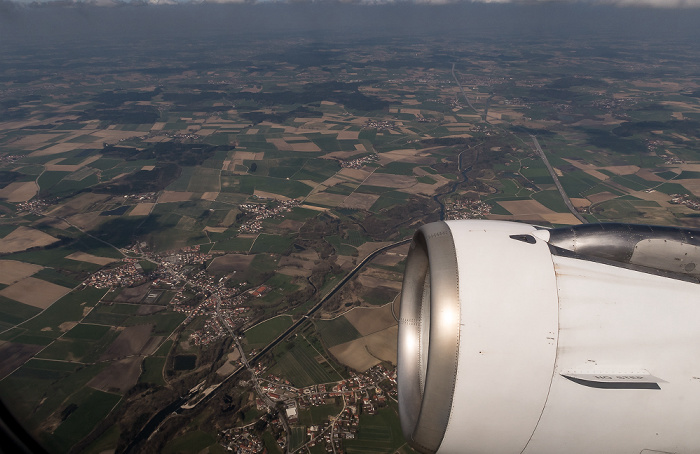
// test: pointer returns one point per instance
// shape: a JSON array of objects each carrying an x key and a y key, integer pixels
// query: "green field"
[
  {"x": 165, "y": 322},
  {"x": 69, "y": 308},
  {"x": 84, "y": 331},
  {"x": 55, "y": 257},
  {"x": 634, "y": 182},
  {"x": 37, "y": 389},
  {"x": 56, "y": 277},
  {"x": 340, "y": 245},
  {"x": 672, "y": 188},
  {"x": 380, "y": 433},
  {"x": 297, "y": 436},
  {"x": 336, "y": 331},
  {"x": 234, "y": 245},
  {"x": 183, "y": 180},
  {"x": 204, "y": 180},
  {"x": 389, "y": 200},
  {"x": 552, "y": 200},
  {"x": 92, "y": 407},
  {"x": 577, "y": 182},
  {"x": 247, "y": 184},
  {"x": 106, "y": 442},
  {"x": 270, "y": 443},
  {"x": 297, "y": 361},
  {"x": 398, "y": 168},
  {"x": 106, "y": 318},
  {"x": 153, "y": 370},
  {"x": 13, "y": 312},
  {"x": 195, "y": 441},
  {"x": 79, "y": 349},
  {"x": 265, "y": 332},
  {"x": 617, "y": 210},
  {"x": 318, "y": 413},
  {"x": 276, "y": 244}
]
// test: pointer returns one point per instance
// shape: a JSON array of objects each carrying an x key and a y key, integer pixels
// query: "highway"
[
  {"x": 567, "y": 201},
  {"x": 462, "y": 90}
]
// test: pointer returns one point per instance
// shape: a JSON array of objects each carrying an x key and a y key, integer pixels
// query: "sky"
[
  {"x": 566, "y": 19},
  {"x": 673, "y": 4}
]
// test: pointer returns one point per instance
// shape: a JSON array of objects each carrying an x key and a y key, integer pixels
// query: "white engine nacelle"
[{"x": 519, "y": 340}]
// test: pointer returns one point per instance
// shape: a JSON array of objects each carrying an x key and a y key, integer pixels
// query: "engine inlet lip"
[{"x": 425, "y": 403}]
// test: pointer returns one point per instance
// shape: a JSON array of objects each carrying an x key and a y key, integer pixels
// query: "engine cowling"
[{"x": 517, "y": 339}]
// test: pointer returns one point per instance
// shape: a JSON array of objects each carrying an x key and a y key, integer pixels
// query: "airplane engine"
[{"x": 519, "y": 339}]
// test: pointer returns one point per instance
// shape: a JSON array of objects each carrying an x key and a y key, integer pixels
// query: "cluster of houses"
[
  {"x": 466, "y": 209},
  {"x": 359, "y": 162},
  {"x": 260, "y": 212}
]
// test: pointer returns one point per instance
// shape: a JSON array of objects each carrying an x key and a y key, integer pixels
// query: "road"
[
  {"x": 462, "y": 89},
  {"x": 270, "y": 404},
  {"x": 567, "y": 201}
]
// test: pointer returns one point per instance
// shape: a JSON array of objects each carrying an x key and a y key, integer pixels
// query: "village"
[
  {"x": 362, "y": 394},
  {"x": 195, "y": 291},
  {"x": 259, "y": 212},
  {"x": 467, "y": 209}
]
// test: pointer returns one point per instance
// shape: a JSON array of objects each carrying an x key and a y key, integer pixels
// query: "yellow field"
[
  {"x": 324, "y": 198},
  {"x": 580, "y": 203},
  {"x": 12, "y": 271},
  {"x": 35, "y": 292},
  {"x": 387, "y": 180},
  {"x": 35, "y": 141},
  {"x": 175, "y": 196},
  {"x": 649, "y": 175},
  {"x": 409, "y": 155},
  {"x": 315, "y": 208},
  {"x": 367, "y": 248},
  {"x": 348, "y": 135},
  {"x": 79, "y": 204},
  {"x": 269, "y": 195},
  {"x": 373, "y": 278},
  {"x": 622, "y": 170},
  {"x": 368, "y": 320},
  {"x": 228, "y": 366},
  {"x": 365, "y": 352},
  {"x": 19, "y": 191},
  {"x": 85, "y": 257},
  {"x": 120, "y": 375},
  {"x": 56, "y": 166},
  {"x": 304, "y": 147},
  {"x": 601, "y": 197},
  {"x": 280, "y": 144},
  {"x": 691, "y": 185},
  {"x": 87, "y": 221},
  {"x": 357, "y": 175},
  {"x": 359, "y": 201},
  {"x": 23, "y": 238},
  {"x": 534, "y": 211},
  {"x": 142, "y": 209},
  {"x": 215, "y": 229}
]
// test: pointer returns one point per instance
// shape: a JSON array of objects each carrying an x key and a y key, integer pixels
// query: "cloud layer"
[{"x": 667, "y": 4}]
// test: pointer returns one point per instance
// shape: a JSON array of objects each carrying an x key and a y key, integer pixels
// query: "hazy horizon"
[{"x": 323, "y": 20}]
